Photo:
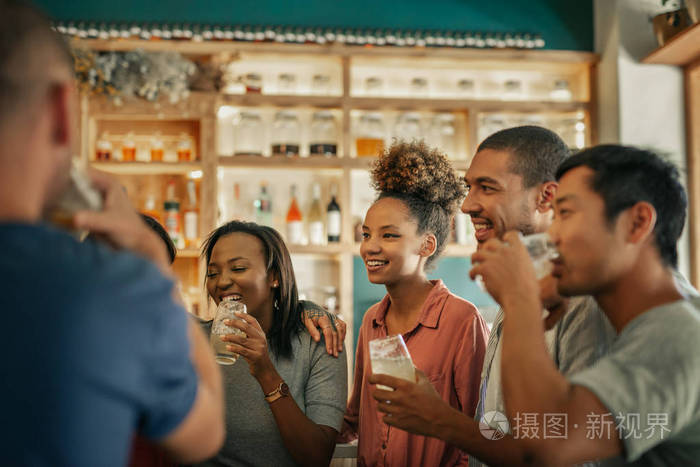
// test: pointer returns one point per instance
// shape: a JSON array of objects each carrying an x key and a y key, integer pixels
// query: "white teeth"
[
  {"x": 481, "y": 226},
  {"x": 375, "y": 263}
]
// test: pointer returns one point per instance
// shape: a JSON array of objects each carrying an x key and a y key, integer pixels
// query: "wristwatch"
[{"x": 280, "y": 391}]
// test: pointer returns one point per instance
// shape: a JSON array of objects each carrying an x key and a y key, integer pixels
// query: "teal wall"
[
  {"x": 565, "y": 25},
  {"x": 452, "y": 271}
]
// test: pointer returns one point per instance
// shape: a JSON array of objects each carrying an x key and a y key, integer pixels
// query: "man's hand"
[
  {"x": 506, "y": 269},
  {"x": 554, "y": 303},
  {"x": 414, "y": 407},
  {"x": 332, "y": 327},
  {"x": 119, "y": 223}
]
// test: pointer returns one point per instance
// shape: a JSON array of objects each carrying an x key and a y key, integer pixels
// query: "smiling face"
[
  {"x": 591, "y": 252},
  {"x": 391, "y": 245},
  {"x": 237, "y": 269},
  {"x": 496, "y": 199}
]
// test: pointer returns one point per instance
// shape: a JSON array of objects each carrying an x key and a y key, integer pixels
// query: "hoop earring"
[{"x": 276, "y": 305}]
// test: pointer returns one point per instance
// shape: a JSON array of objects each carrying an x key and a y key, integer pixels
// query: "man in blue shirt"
[{"x": 95, "y": 346}]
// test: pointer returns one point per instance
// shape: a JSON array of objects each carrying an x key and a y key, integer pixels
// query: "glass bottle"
[
  {"x": 103, "y": 148},
  {"x": 315, "y": 218},
  {"x": 285, "y": 134},
  {"x": 171, "y": 210},
  {"x": 512, "y": 90},
  {"x": 370, "y": 135},
  {"x": 324, "y": 134},
  {"x": 248, "y": 135},
  {"x": 149, "y": 208},
  {"x": 184, "y": 148},
  {"x": 333, "y": 218},
  {"x": 294, "y": 221},
  {"x": 156, "y": 148},
  {"x": 465, "y": 87},
  {"x": 442, "y": 133},
  {"x": 408, "y": 127},
  {"x": 191, "y": 216},
  {"x": 128, "y": 148},
  {"x": 263, "y": 206}
]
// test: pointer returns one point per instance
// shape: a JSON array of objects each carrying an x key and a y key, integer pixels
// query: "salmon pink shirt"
[{"x": 448, "y": 344}]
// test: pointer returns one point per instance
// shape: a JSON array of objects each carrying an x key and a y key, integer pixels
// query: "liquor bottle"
[
  {"x": 295, "y": 224},
  {"x": 333, "y": 218},
  {"x": 236, "y": 213},
  {"x": 315, "y": 219},
  {"x": 173, "y": 222},
  {"x": 263, "y": 207},
  {"x": 191, "y": 216},
  {"x": 156, "y": 148},
  {"x": 103, "y": 148},
  {"x": 149, "y": 208}
]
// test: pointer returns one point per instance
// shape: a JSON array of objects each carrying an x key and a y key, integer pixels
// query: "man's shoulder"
[{"x": 77, "y": 269}]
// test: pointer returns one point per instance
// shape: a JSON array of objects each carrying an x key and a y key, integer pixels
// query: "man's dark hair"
[
  {"x": 286, "y": 318},
  {"x": 163, "y": 234},
  {"x": 536, "y": 152},
  {"x": 23, "y": 32},
  {"x": 624, "y": 176}
]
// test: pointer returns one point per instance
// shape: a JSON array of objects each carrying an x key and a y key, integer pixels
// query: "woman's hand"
[{"x": 252, "y": 346}]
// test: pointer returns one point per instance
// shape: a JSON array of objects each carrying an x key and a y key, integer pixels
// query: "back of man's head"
[
  {"x": 31, "y": 56},
  {"x": 536, "y": 152},
  {"x": 624, "y": 176}
]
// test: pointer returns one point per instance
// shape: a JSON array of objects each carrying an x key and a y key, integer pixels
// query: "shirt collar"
[{"x": 430, "y": 313}]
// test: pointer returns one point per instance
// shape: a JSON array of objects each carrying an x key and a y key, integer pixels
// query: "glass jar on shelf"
[
  {"x": 286, "y": 84},
  {"x": 374, "y": 86},
  {"x": 442, "y": 134},
  {"x": 513, "y": 90},
  {"x": 571, "y": 129},
  {"x": 419, "y": 87},
  {"x": 490, "y": 124},
  {"x": 321, "y": 84},
  {"x": 285, "y": 134},
  {"x": 248, "y": 134},
  {"x": 370, "y": 135},
  {"x": 253, "y": 83},
  {"x": 408, "y": 127},
  {"x": 103, "y": 148},
  {"x": 157, "y": 147},
  {"x": 128, "y": 148},
  {"x": 465, "y": 87},
  {"x": 184, "y": 148},
  {"x": 561, "y": 91},
  {"x": 324, "y": 134}
]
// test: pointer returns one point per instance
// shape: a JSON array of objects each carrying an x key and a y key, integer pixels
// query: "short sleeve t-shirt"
[
  {"x": 94, "y": 349},
  {"x": 317, "y": 383},
  {"x": 650, "y": 383}
]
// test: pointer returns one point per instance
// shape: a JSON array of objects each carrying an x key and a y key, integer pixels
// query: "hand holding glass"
[
  {"x": 389, "y": 356},
  {"x": 219, "y": 329}
]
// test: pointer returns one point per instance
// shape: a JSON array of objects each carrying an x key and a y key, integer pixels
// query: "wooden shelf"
[
  {"x": 217, "y": 47},
  {"x": 272, "y": 100},
  {"x": 400, "y": 103},
  {"x": 146, "y": 168},
  {"x": 683, "y": 49},
  {"x": 315, "y": 162},
  {"x": 188, "y": 253},
  {"x": 451, "y": 250},
  {"x": 331, "y": 249}
]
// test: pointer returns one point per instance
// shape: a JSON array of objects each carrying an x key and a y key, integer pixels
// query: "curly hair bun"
[{"x": 418, "y": 170}]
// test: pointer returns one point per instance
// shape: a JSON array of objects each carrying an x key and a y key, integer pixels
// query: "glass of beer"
[
  {"x": 389, "y": 356},
  {"x": 219, "y": 329}
]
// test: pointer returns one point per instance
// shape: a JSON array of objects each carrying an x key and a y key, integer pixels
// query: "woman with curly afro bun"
[{"x": 404, "y": 232}]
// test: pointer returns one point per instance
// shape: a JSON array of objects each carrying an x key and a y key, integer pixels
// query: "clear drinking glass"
[
  {"x": 542, "y": 251},
  {"x": 224, "y": 311},
  {"x": 389, "y": 356}
]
